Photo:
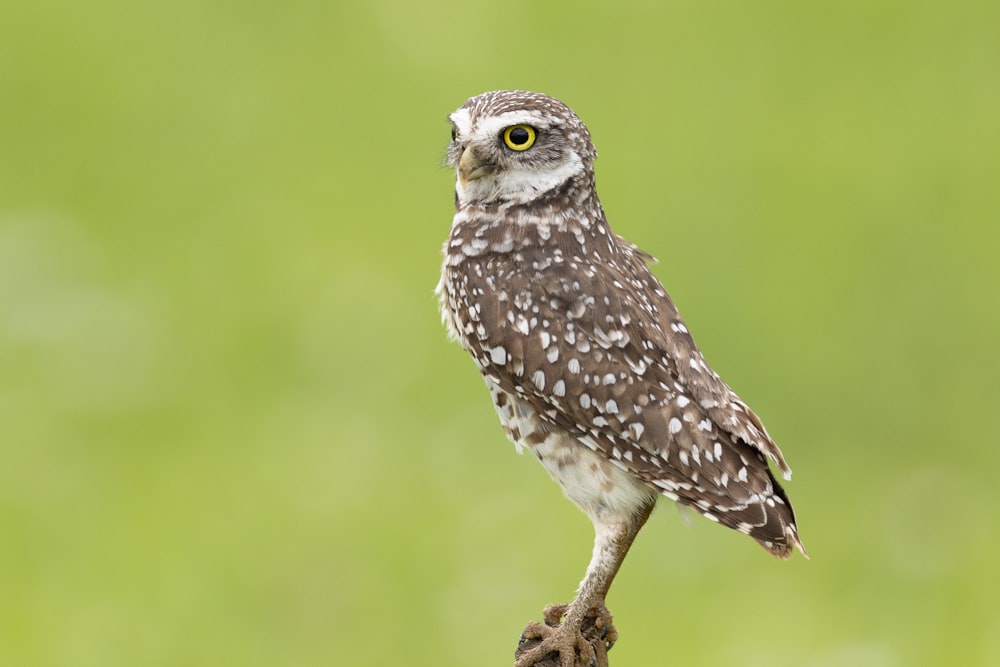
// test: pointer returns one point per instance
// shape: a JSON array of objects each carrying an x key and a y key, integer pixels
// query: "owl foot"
[{"x": 556, "y": 644}]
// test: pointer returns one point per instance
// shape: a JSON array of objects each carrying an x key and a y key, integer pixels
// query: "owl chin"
[{"x": 515, "y": 185}]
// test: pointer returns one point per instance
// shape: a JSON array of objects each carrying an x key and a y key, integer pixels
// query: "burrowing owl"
[{"x": 589, "y": 364}]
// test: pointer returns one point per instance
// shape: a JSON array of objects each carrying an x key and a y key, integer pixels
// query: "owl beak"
[{"x": 470, "y": 167}]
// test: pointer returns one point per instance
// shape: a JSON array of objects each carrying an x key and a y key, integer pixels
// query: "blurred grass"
[{"x": 233, "y": 432}]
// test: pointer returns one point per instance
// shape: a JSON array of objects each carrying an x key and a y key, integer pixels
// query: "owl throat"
[{"x": 566, "y": 219}]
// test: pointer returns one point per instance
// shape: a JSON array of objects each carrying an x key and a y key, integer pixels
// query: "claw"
[
  {"x": 606, "y": 629},
  {"x": 534, "y": 631},
  {"x": 553, "y": 614}
]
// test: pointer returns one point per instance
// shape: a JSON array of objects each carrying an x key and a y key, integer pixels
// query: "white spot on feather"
[{"x": 539, "y": 378}]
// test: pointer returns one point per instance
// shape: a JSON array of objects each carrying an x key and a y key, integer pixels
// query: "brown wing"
[{"x": 600, "y": 350}]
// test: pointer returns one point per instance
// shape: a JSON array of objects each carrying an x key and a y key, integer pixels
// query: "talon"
[
  {"x": 553, "y": 614},
  {"x": 534, "y": 631},
  {"x": 604, "y": 626}
]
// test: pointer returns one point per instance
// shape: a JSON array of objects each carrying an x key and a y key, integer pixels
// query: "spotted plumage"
[{"x": 589, "y": 364}]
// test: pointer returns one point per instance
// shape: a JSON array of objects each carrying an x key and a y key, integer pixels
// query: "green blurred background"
[{"x": 232, "y": 431}]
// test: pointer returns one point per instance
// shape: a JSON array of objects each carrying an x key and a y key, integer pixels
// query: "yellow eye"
[{"x": 519, "y": 137}]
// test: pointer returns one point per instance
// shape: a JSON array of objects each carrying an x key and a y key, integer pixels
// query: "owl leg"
[{"x": 585, "y": 632}]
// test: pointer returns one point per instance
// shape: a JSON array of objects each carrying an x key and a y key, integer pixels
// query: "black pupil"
[{"x": 519, "y": 136}]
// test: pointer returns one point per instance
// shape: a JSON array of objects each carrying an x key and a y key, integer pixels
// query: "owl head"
[{"x": 514, "y": 146}]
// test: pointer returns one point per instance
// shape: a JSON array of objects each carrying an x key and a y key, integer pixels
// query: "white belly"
[
  {"x": 599, "y": 487},
  {"x": 603, "y": 490}
]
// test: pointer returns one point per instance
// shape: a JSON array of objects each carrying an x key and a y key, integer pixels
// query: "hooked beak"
[{"x": 471, "y": 168}]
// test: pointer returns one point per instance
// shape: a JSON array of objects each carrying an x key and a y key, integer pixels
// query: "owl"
[{"x": 588, "y": 362}]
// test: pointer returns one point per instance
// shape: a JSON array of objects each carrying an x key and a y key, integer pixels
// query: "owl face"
[{"x": 515, "y": 145}]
